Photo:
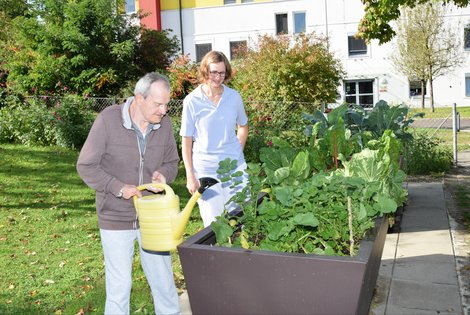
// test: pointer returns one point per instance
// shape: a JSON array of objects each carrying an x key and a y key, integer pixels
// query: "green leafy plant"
[
  {"x": 425, "y": 154},
  {"x": 313, "y": 212},
  {"x": 33, "y": 122}
]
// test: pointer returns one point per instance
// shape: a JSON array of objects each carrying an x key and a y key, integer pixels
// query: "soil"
[{"x": 456, "y": 181}]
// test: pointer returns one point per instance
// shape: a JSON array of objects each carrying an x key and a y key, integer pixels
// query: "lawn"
[
  {"x": 442, "y": 112},
  {"x": 50, "y": 252}
]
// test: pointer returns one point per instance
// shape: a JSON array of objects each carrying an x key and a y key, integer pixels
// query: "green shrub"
[
  {"x": 72, "y": 121},
  {"x": 26, "y": 123},
  {"x": 426, "y": 155},
  {"x": 33, "y": 122}
]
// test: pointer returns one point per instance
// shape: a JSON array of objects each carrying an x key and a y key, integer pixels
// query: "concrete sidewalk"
[{"x": 418, "y": 270}]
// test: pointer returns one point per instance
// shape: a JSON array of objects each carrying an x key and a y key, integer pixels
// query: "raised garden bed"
[{"x": 223, "y": 280}]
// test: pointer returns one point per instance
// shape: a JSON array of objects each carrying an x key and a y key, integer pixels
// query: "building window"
[
  {"x": 359, "y": 92},
  {"x": 246, "y": 1},
  {"x": 229, "y": 1},
  {"x": 356, "y": 46},
  {"x": 202, "y": 50},
  {"x": 130, "y": 6},
  {"x": 416, "y": 89},
  {"x": 466, "y": 38},
  {"x": 467, "y": 84},
  {"x": 299, "y": 22},
  {"x": 236, "y": 47},
  {"x": 281, "y": 24}
]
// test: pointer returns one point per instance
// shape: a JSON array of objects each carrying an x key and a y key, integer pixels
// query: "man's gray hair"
[{"x": 142, "y": 86}]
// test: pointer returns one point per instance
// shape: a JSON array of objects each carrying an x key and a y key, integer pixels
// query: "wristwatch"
[{"x": 119, "y": 195}]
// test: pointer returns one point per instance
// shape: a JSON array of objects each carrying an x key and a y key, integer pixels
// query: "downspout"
[
  {"x": 159, "y": 15},
  {"x": 181, "y": 28}
]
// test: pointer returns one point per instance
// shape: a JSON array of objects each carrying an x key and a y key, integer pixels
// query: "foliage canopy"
[
  {"x": 86, "y": 45},
  {"x": 288, "y": 69},
  {"x": 378, "y": 15}
]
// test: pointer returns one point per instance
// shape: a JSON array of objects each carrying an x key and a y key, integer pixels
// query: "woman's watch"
[{"x": 119, "y": 195}]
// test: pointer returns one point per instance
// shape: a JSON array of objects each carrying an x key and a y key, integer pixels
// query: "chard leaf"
[
  {"x": 222, "y": 230},
  {"x": 385, "y": 204},
  {"x": 280, "y": 174},
  {"x": 283, "y": 195},
  {"x": 307, "y": 219},
  {"x": 301, "y": 166},
  {"x": 278, "y": 229},
  {"x": 362, "y": 212}
]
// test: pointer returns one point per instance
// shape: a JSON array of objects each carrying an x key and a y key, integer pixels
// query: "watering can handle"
[{"x": 168, "y": 190}]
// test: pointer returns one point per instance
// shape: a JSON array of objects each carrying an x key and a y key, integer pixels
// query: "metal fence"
[{"x": 289, "y": 112}]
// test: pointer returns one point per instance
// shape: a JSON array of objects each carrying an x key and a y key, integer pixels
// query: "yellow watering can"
[{"x": 162, "y": 224}]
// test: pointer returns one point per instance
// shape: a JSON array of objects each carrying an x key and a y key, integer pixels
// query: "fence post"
[{"x": 454, "y": 131}]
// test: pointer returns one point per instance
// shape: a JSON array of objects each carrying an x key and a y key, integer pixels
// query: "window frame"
[
  {"x": 418, "y": 88},
  {"x": 296, "y": 13},
  {"x": 466, "y": 38},
  {"x": 358, "y": 93},
  {"x": 134, "y": 6},
  {"x": 284, "y": 23},
  {"x": 237, "y": 44},
  {"x": 467, "y": 84},
  {"x": 357, "y": 53},
  {"x": 198, "y": 56}
]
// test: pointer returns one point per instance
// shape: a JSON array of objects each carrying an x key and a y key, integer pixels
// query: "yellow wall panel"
[{"x": 189, "y": 4}]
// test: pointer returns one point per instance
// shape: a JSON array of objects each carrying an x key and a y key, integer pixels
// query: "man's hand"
[
  {"x": 159, "y": 178},
  {"x": 128, "y": 191}
]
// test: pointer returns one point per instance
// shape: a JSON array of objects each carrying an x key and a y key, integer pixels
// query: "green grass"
[
  {"x": 50, "y": 252},
  {"x": 441, "y": 112},
  {"x": 446, "y": 136},
  {"x": 462, "y": 195}
]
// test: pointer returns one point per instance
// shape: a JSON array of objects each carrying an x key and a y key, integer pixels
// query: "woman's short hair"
[
  {"x": 142, "y": 86},
  {"x": 214, "y": 57}
]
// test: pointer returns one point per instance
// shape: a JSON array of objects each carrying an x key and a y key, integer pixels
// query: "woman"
[{"x": 214, "y": 127}]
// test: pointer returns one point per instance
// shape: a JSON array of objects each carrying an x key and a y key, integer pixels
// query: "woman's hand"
[{"x": 192, "y": 184}]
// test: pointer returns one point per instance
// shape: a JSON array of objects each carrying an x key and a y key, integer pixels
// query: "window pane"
[
  {"x": 130, "y": 6},
  {"x": 299, "y": 22},
  {"x": 201, "y": 50},
  {"x": 467, "y": 85},
  {"x": 356, "y": 46},
  {"x": 229, "y": 1},
  {"x": 467, "y": 38},
  {"x": 366, "y": 100},
  {"x": 415, "y": 88},
  {"x": 236, "y": 47},
  {"x": 350, "y": 88},
  {"x": 351, "y": 99},
  {"x": 245, "y": 1},
  {"x": 365, "y": 87},
  {"x": 281, "y": 24}
]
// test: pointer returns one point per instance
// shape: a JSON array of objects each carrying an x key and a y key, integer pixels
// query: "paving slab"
[{"x": 418, "y": 272}]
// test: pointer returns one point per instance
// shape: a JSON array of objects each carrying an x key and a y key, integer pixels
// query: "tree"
[
  {"x": 380, "y": 13},
  {"x": 427, "y": 47},
  {"x": 299, "y": 69},
  {"x": 84, "y": 45}
]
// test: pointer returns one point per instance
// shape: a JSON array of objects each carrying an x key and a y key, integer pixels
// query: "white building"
[{"x": 203, "y": 25}]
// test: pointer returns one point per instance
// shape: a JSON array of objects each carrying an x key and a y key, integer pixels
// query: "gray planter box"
[{"x": 237, "y": 281}]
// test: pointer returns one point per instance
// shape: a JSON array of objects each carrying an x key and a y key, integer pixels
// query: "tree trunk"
[
  {"x": 423, "y": 89},
  {"x": 431, "y": 92},
  {"x": 431, "y": 95}
]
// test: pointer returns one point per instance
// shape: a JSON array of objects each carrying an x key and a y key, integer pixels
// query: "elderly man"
[{"x": 129, "y": 145}]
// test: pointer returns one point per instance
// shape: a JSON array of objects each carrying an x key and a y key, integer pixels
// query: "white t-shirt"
[{"x": 213, "y": 129}]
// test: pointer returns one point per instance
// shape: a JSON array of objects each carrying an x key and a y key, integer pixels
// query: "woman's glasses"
[{"x": 215, "y": 74}]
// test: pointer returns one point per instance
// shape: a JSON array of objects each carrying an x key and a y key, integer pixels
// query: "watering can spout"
[{"x": 180, "y": 221}]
